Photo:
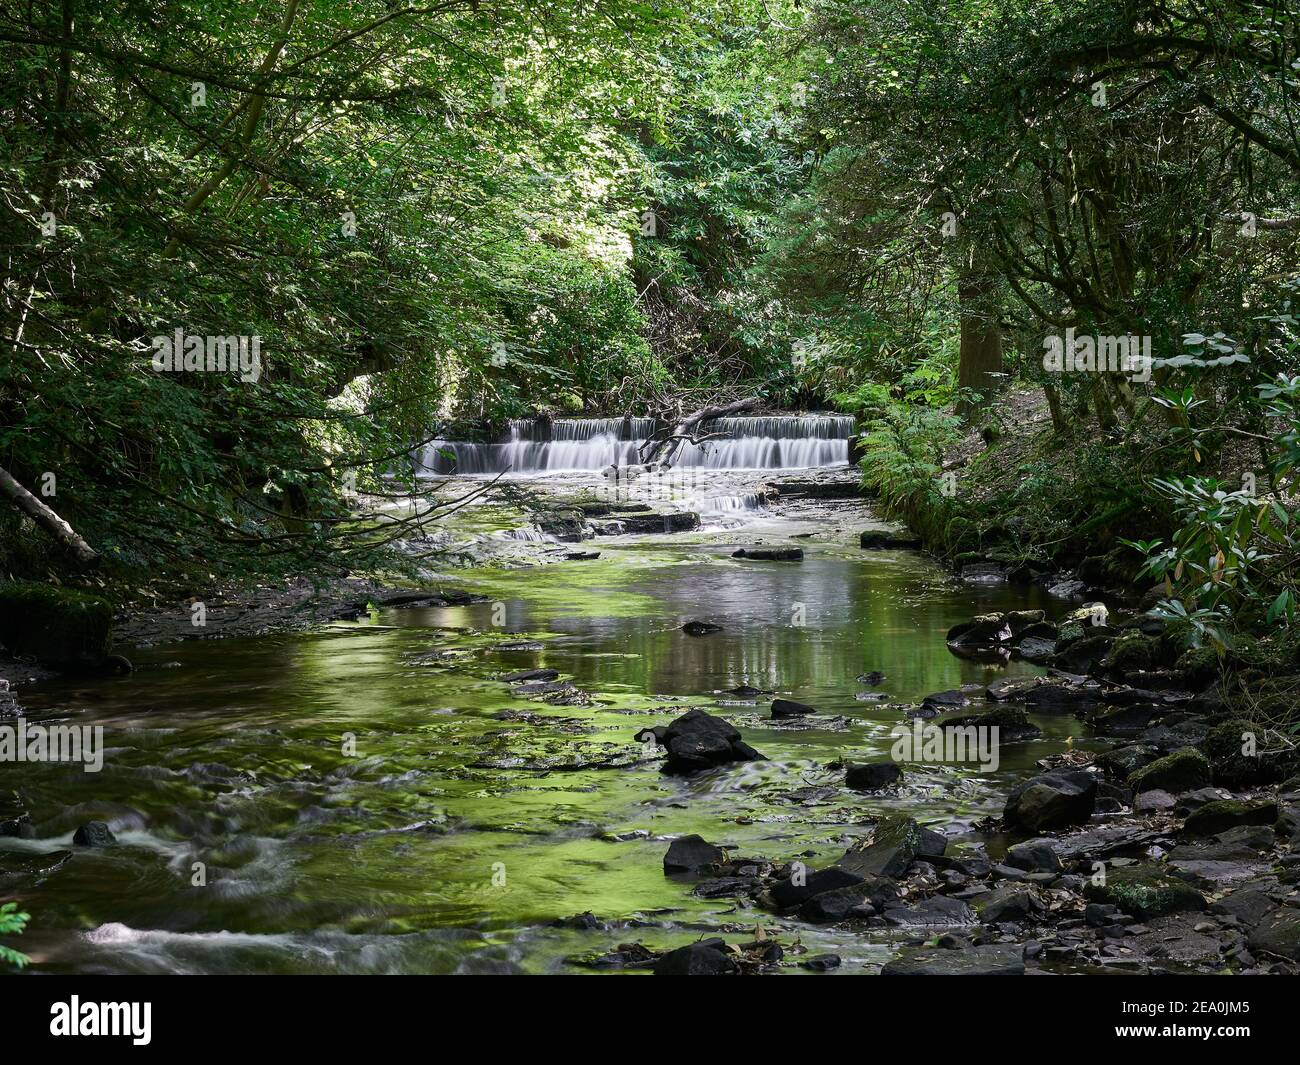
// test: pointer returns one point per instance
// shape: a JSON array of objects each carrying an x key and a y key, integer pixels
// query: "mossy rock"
[
  {"x": 1231, "y": 767},
  {"x": 1132, "y": 652},
  {"x": 1185, "y": 769},
  {"x": 58, "y": 627},
  {"x": 1145, "y": 892},
  {"x": 1200, "y": 665},
  {"x": 1223, "y": 814},
  {"x": 1120, "y": 763}
]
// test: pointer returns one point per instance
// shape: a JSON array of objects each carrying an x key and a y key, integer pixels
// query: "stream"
[{"x": 370, "y": 797}]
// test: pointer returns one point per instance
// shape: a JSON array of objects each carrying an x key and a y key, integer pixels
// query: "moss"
[
  {"x": 1223, "y": 814},
  {"x": 1133, "y": 651},
  {"x": 1200, "y": 665},
  {"x": 1231, "y": 765},
  {"x": 56, "y": 626},
  {"x": 1145, "y": 892},
  {"x": 1185, "y": 769}
]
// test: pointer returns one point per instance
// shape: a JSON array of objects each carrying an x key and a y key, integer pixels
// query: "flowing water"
[{"x": 370, "y": 797}]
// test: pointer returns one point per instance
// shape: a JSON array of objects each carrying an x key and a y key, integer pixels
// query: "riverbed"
[{"x": 371, "y": 797}]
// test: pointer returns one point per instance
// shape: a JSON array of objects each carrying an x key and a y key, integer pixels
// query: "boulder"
[
  {"x": 1034, "y": 856},
  {"x": 872, "y": 776},
  {"x": 1013, "y": 724},
  {"x": 769, "y": 554},
  {"x": 709, "y": 957},
  {"x": 786, "y": 894},
  {"x": 1185, "y": 769},
  {"x": 984, "y": 629},
  {"x": 789, "y": 708},
  {"x": 1053, "y": 800},
  {"x": 1278, "y": 934},
  {"x": 58, "y": 627},
  {"x": 1145, "y": 892},
  {"x": 884, "y": 540},
  {"x": 686, "y": 854},
  {"x": 94, "y": 834},
  {"x": 697, "y": 741},
  {"x": 1223, "y": 814},
  {"x": 895, "y": 844},
  {"x": 852, "y": 900},
  {"x": 1007, "y": 904}
]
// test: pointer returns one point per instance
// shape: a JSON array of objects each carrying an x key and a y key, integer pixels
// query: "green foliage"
[{"x": 12, "y": 923}]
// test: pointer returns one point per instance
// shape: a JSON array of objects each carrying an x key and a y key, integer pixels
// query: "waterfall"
[{"x": 588, "y": 445}]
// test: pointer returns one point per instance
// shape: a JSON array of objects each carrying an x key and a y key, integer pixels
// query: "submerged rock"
[
  {"x": 700, "y": 628},
  {"x": 988, "y": 960},
  {"x": 884, "y": 540},
  {"x": 770, "y": 554}
]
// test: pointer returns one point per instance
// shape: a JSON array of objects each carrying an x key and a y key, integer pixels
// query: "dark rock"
[
  {"x": 1061, "y": 699},
  {"x": 988, "y": 960},
  {"x": 1183, "y": 770},
  {"x": 1034, "y": 856},
  {"x": 872, "y": 776},
  {"x": 770, "y": 554},
  {"x": 848, "y": 901},
  {"x": 1053, "y": 800},
  {"x": 895, "y": 844},
  {"x": 1121, "y": 762},
  {"x": 1145, "y": 892},
  {"x": 14, "y": 819},
  {"x": 821, "y": 963},
  {"x": 697, "y": 741},
  {"x": 700, "y": 628},
  {"x": 1083, "y": 656},
  {"x": 1013, "y": 724},
  {"x": 1248, "y": 905},
  {"x": 1224, "y": 814},
  {"x": 1009, "y": 905},
  {"x": 940, "y": 911},
  {"x": 984, "y": 629},
  {"x": 984, "y": 573},
  {"x": 883, "y": 540},
  {"x": 94, "y": 834},
  {"x": 1278, "y": 934},
  {"x": 949, "y": 700},
  {"x": 530, "y": 674},
  {"x": 706, "y": 958},
  {"x": 874, "y": 677},
  {"x": 789, "y": 708},
  {"x": 58, "y": 627},
  {"x": 786, "y": 894},
  {"x": 689, "y": 853}
]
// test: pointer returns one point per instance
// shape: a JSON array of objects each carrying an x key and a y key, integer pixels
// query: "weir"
[{"x": 534, "y": 446}]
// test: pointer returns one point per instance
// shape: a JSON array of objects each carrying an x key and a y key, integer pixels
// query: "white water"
[{"x": 586, "y": 445}]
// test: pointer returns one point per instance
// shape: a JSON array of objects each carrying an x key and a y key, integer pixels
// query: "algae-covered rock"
[
  {"x": 1199, "y": 666},
  {"x": 1145, "y": 892},
  {"x": 1223, "y": 814},
  {"x": 1132, "y": 652},
  {"x": 58, "y": 627},
  {"x": 1233, "y": 748},
  {"x": 1185, "y": 769}
]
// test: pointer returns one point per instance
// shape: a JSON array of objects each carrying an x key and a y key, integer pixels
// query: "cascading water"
[{"x": 588, "y": 445}]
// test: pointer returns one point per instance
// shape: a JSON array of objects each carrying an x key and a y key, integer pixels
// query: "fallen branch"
[
  {"x": 665, "y": 450},
  {"x": 47, "y": 519}
]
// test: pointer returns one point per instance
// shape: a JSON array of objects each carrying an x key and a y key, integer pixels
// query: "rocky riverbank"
[{"x": 1175, "y": 848}]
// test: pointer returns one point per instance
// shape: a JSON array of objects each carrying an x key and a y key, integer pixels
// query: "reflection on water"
[{"x": 250, "y": 841}]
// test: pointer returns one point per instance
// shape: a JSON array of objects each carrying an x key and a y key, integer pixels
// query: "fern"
[{"x": 12, "y": 923}]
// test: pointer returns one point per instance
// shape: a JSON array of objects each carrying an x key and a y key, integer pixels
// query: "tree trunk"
[
  {"x": 981, "y": 337},
  {"x": 47, "y": 519}
]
